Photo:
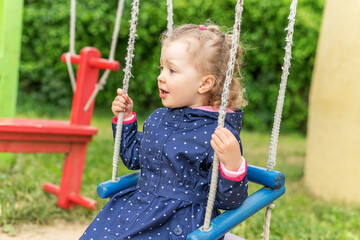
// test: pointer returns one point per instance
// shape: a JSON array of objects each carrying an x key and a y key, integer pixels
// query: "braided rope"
[
  {"x": 71, "y": 44},
  {"x": 266, "y": 233},
  {"x": 222, "y": 111},
  {"x": 100, "y": 85},
  {"x": 280, "y": 101},
  {"x": 278, "y": 111},
  {"x": 170, "y": 21},
  {"x": 127, "y": 70}
]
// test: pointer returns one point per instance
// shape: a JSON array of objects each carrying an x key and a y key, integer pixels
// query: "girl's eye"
[
  {"x": 161, "y": 68},
  {"x": 172, "y": 70}
]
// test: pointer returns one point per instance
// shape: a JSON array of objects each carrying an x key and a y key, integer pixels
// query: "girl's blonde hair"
[{"x": 216, "y": 47}]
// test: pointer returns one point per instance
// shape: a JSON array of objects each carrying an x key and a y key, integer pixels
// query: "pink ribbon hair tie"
[{"x": 202, "y": 27}]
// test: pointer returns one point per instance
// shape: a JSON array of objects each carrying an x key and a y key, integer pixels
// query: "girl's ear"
[{"x": 207, "y": 83}]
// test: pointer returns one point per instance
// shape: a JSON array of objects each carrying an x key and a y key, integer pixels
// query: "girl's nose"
[{"x": 161, "y": 78}]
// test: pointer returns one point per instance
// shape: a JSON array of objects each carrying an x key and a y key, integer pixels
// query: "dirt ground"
[{"x": 58, "y": 231}]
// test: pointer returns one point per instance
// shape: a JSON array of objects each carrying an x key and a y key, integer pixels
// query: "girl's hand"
[
  {"x": 122, "y": 103},
  {"x": 227, "y": 148}
]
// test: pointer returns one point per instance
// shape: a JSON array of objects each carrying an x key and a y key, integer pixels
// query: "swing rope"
[
  {"x": 71, "y": 44},
  {"x": 281, "y": 96},
  {"x": 222, "y": 111},
  {"x": 266, "y": 228},
  {"x": 170, "y": 21},
  {"x": 100, "y": 85},
  {"x": 279, "y": 107},
  {"x": 127, "y": 70},
  {"x": 106, "y": 73}
]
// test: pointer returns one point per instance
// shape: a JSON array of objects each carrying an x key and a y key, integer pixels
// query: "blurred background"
[
  {"x": 44, "y": 91},
  {"x": 44, "y": 79}
]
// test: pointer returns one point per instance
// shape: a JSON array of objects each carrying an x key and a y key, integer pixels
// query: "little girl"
[{"x": 175, "y": 149}]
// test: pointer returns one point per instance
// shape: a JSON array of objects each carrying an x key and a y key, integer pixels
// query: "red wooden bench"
[{"x": 69, "y": 137}]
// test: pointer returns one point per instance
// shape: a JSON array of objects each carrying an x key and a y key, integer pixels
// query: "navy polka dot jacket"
[{"x": 175, "y": 158}]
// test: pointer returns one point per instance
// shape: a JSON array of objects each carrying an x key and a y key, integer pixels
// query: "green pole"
[{"x": 10, "y": 43}]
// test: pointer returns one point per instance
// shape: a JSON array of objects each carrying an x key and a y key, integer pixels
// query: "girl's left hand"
[{"x": 227, "y": 148}]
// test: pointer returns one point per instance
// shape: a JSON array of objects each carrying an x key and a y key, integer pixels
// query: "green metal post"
[{"x": 10, "y": 43}]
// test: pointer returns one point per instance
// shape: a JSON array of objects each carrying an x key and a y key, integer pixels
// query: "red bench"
[{"x": 69, "y": 137}]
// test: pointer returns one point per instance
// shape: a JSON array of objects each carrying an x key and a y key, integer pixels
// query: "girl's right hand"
[{"x": 122, "y": 103}]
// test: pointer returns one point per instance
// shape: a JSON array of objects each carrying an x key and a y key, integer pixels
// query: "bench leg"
[{"x": 69, "y": 191}]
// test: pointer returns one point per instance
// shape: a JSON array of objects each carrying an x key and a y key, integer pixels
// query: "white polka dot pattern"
[{"x": 175, "y": 157}]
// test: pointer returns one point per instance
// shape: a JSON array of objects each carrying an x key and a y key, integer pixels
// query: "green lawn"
[{"x": 297, "y": 215}]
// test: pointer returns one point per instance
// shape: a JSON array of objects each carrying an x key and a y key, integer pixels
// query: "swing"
[
  {"x": 69, "y": 137},
  {"x": 273, "y": 181}
]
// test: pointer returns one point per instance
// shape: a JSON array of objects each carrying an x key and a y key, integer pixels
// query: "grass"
[{"x": 297, "y": 215}]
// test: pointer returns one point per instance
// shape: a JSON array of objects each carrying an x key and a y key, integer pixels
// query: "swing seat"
[
  {"x": 274, "y": 187},
  {"x": 52, "y": 136},
  {"x": 38, "y": 135},
  {"x": 69, "y": 137}
]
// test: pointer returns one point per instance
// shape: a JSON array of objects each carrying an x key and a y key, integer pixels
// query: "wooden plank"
[
  {"x": 34, "y": 147},
  {"x": 37, "y": 126},
  {"x": 43, "y": 137}
]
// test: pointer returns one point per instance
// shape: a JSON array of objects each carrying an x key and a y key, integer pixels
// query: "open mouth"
[{"x": 163, "y": 93}]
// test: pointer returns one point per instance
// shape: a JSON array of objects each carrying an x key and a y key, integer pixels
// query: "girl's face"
[{"x": 179, "y": 80}]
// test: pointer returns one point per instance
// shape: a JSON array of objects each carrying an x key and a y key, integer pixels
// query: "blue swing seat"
[{"x": 274, "y": 187}]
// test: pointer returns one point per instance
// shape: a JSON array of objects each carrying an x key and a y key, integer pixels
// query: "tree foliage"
[{"x": 44, "y": 78}]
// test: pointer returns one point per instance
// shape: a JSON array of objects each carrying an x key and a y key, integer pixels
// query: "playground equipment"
[
  {"x": 71, "y": 138},
  {"x": 333, "y": 137},
  {"x": 273, "y": 187},
  {"x": 272, "y": 180}
]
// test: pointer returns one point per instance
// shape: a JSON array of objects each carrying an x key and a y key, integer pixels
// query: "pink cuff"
[
  {"x": 126, "y": 120},
  {"x": 234, "y": 176}
]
